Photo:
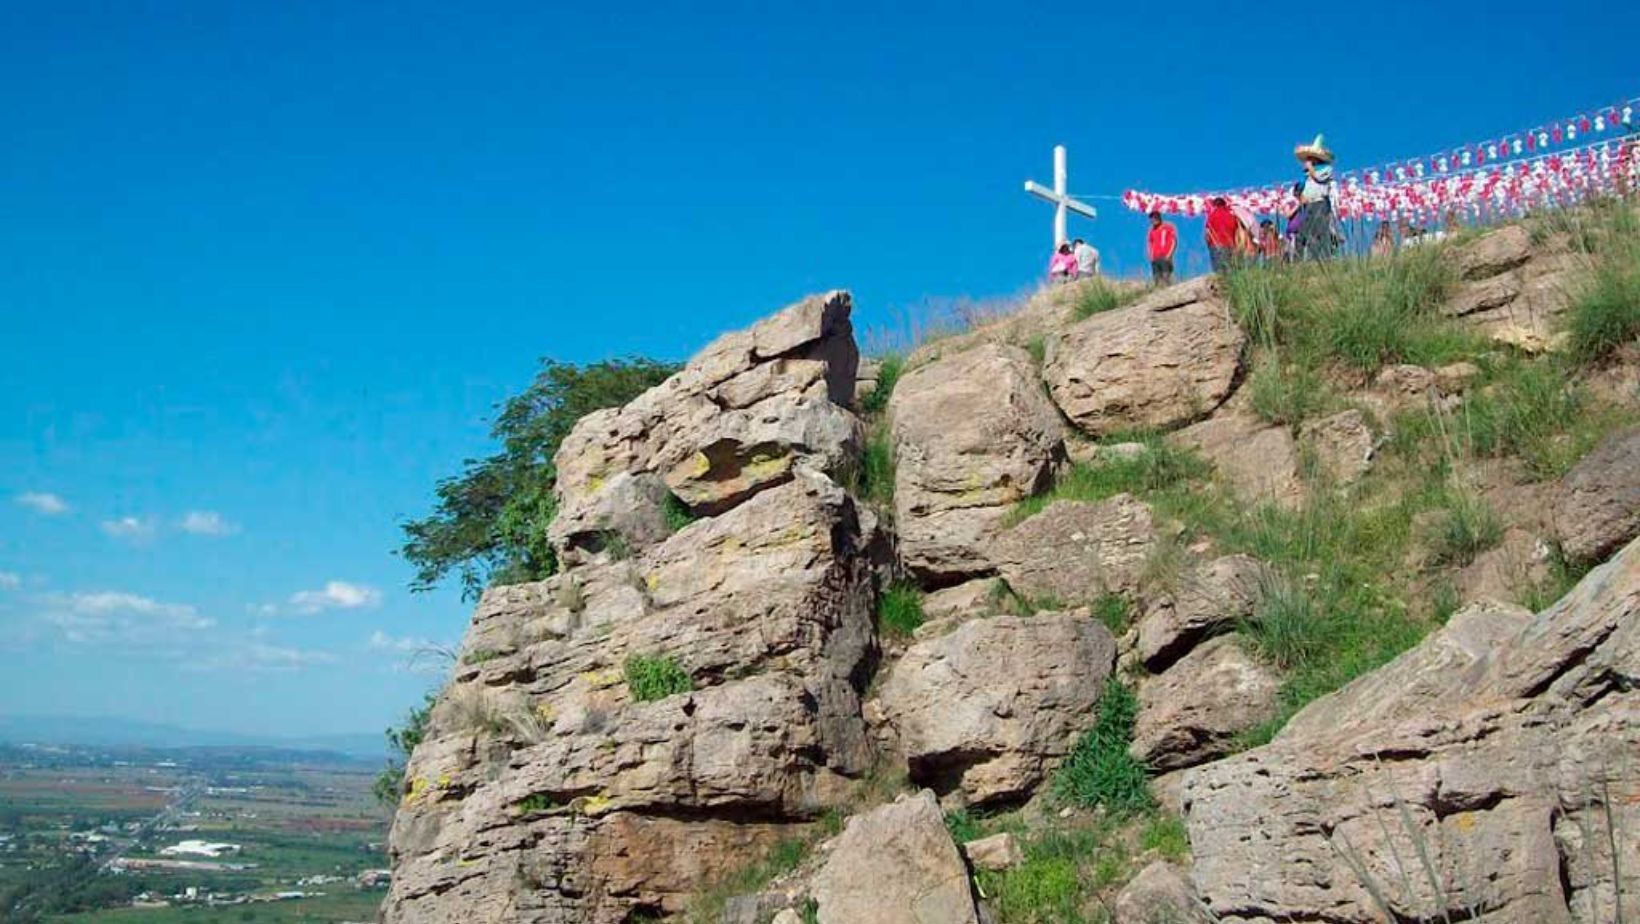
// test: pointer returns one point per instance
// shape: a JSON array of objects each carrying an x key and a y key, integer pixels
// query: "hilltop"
[{"x": 1304, "y": 593}]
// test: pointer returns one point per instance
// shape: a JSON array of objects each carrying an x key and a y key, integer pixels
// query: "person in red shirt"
[
  {"x": 1223, "y": 228},
  {"x": 1160, "y": 244}
]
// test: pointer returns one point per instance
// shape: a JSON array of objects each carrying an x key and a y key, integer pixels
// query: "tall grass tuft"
[
  {"x": 1099, "y": 770},
  {"x": 888, "y": 374},
  {"x": 899, "y": 610},
  {"x": 1606, "y": 313}
]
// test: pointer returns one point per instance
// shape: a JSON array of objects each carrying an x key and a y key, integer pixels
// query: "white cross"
[{"x": 1058, "y": 197}]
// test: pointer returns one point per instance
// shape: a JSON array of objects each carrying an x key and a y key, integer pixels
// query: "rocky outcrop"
[
  {"x": 1073, "y": 551},
  {"x": 1343, "y": 445},
  {"x": 1474, "y": 777},
  {"x": 973, "y": 434},
  {"x": 748, "y": 412},
  {"x": 1512, "y": 290},
  {"x": 549, "y": 789},
  {"x": 1192, "y": 713},
  {"x": 1166, "y": 360},
  {"x": 896, "y": 864},
  {"x": 1597, "y": 507},
  {"x": 985, "y": 712},
  {"x": 997, "y": 852}
]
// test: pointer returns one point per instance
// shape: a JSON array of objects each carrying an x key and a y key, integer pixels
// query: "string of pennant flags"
[{"x": 1556, "y": 162}]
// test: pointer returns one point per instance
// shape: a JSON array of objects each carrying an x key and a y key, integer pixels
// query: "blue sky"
[{"x": 266, "y": 267}]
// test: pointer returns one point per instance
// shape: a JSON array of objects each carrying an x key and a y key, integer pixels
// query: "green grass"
[
  {"x": 1287, "y": 395},
  {"x": 1159, "y": 468},
  {"x": 1097, "y": 297},
  {"x": 535, "y": 803},
  {"x": 1115, "y": 611},
  {"x": 899, "y": 610},
  {"x": 888, "y": 374},
  {"x": 652, "y": 678},
  {"x": 873, "y": 479},
  {"x": 1166, "y": 835},
  {"x": 677, "y": 513},
  {"x": 1467, "y": 527},
  {"x": 1605, "y": 314},
  {"x": 1064, "y": 871},
  {"x": 1099, "y": 771},
  {"x": 786, "y": 855}
]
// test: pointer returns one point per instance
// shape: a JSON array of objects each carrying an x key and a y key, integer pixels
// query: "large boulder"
[
  {"x": 1343, "y": 445},
  {"x": 1193, "y": 713},
  {"x": 1166, "y": 360},
  {"x": 743, "y": 416},
  {"x": 550, "y": 791},
  {"x": 1514, "y": 291},
  {"x": 985, "y": 712},
  {"x": 1485, "y": 774},
  {"x": 1161, "y": 894},
  {"x": 973, "y": 434},
  {"x": 1074, "y": 551},
  {"x": 1257, "y": 461},
  {"x": 1207, "y": 597},
  {"x": 896, "y": 864},
  {"x": 1597, "y": 507}
]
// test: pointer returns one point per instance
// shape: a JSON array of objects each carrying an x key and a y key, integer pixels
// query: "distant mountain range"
[{"x": 110, "y": 731}]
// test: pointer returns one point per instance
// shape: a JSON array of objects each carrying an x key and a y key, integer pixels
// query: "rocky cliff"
[{"x": 709, "y": 677}]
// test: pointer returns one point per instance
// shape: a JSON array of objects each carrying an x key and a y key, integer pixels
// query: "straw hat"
[{"x": 1315, "y": 150}]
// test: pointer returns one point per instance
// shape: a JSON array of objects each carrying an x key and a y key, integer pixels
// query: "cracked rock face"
[
  {"x": 549, "y": 789},
  {"x": 1500, "y": 748},
  {"x": 896, "y": 864}
]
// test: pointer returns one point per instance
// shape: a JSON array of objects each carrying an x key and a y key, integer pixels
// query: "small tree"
[{"x": 489, "y": 524}]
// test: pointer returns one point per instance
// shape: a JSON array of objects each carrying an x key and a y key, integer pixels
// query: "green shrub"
[
  {"x": 652, "y": 678},
  {"x": 1099, "y": 770},
  {"x": 899, "y": 610},
  {"x": 874, "y": 477},
  {"x": 888, "y": 374},
  {"x": 480, "y": 655},
  {"x": 535, "y": 803}
]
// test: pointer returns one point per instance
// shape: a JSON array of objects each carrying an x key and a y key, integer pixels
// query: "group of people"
[
  {"x": 1071, "y": 260},
  {"x": 1235, "y": 235}
]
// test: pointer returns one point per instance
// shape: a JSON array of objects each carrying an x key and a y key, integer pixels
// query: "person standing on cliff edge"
[{"x": 1160, "y": 245}]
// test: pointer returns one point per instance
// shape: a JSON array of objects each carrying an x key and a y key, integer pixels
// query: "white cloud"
[
  {"x": 336, "y": 595},
  {"x": 132, "y": 528},
  {"x": 10, "y": 580},
  {"x": 206, "y": 523},
  {"x": 113, "y": 617},
  {"x": 43, "y": 503},
  {"x": 413, "y": 655},
  {"x": 261, "y": 656}
]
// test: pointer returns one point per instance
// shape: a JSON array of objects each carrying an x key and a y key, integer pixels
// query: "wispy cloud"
[
  {"x": 10, "y": 580},
  {"x": 336, "y": 595},
  {"x": 115, "y": 617},
  {"x": 206, "y": 523},
  {"x": 132, "y": 529},
  {"x": 412, "y": 655},
  {"x": 43, "y": 503}
]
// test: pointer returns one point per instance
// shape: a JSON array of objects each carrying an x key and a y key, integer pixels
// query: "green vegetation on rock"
[
  {"x": 1099, "y": 770},
  {"x": 899, "y": 610},
  {"x": 651, "y": 678}
]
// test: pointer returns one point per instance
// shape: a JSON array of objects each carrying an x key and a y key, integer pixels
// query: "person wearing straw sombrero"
[{"x": 1317, "y": 238}]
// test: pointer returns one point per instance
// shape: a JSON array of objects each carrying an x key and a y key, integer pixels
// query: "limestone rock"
[
  {"x": 1507, "y": 571},
  {"x": 1193, "y": 712},
  {"x": 1074, "y": 551},
  {"x": 1343, "y": 445},
  {"x": 1257, "y": 460},
  {"x": 988, "y": 710},
  {"x": 1597, "y": 507},
  {"x": 1208, "y": 597},
  {"x": 1164, "y": 361},
  {"x": 896, "y": 865},
  {"x": 741, "y": 417},
  {"x": 1499, "y": 747},
  {"x": 973, "y": 434},
  {"x": 1161, "y": 894},
  {"x": 1494, "y": 252},
  {"x": 547, "y": 793},
  {"x": 997, "y": 852}
]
